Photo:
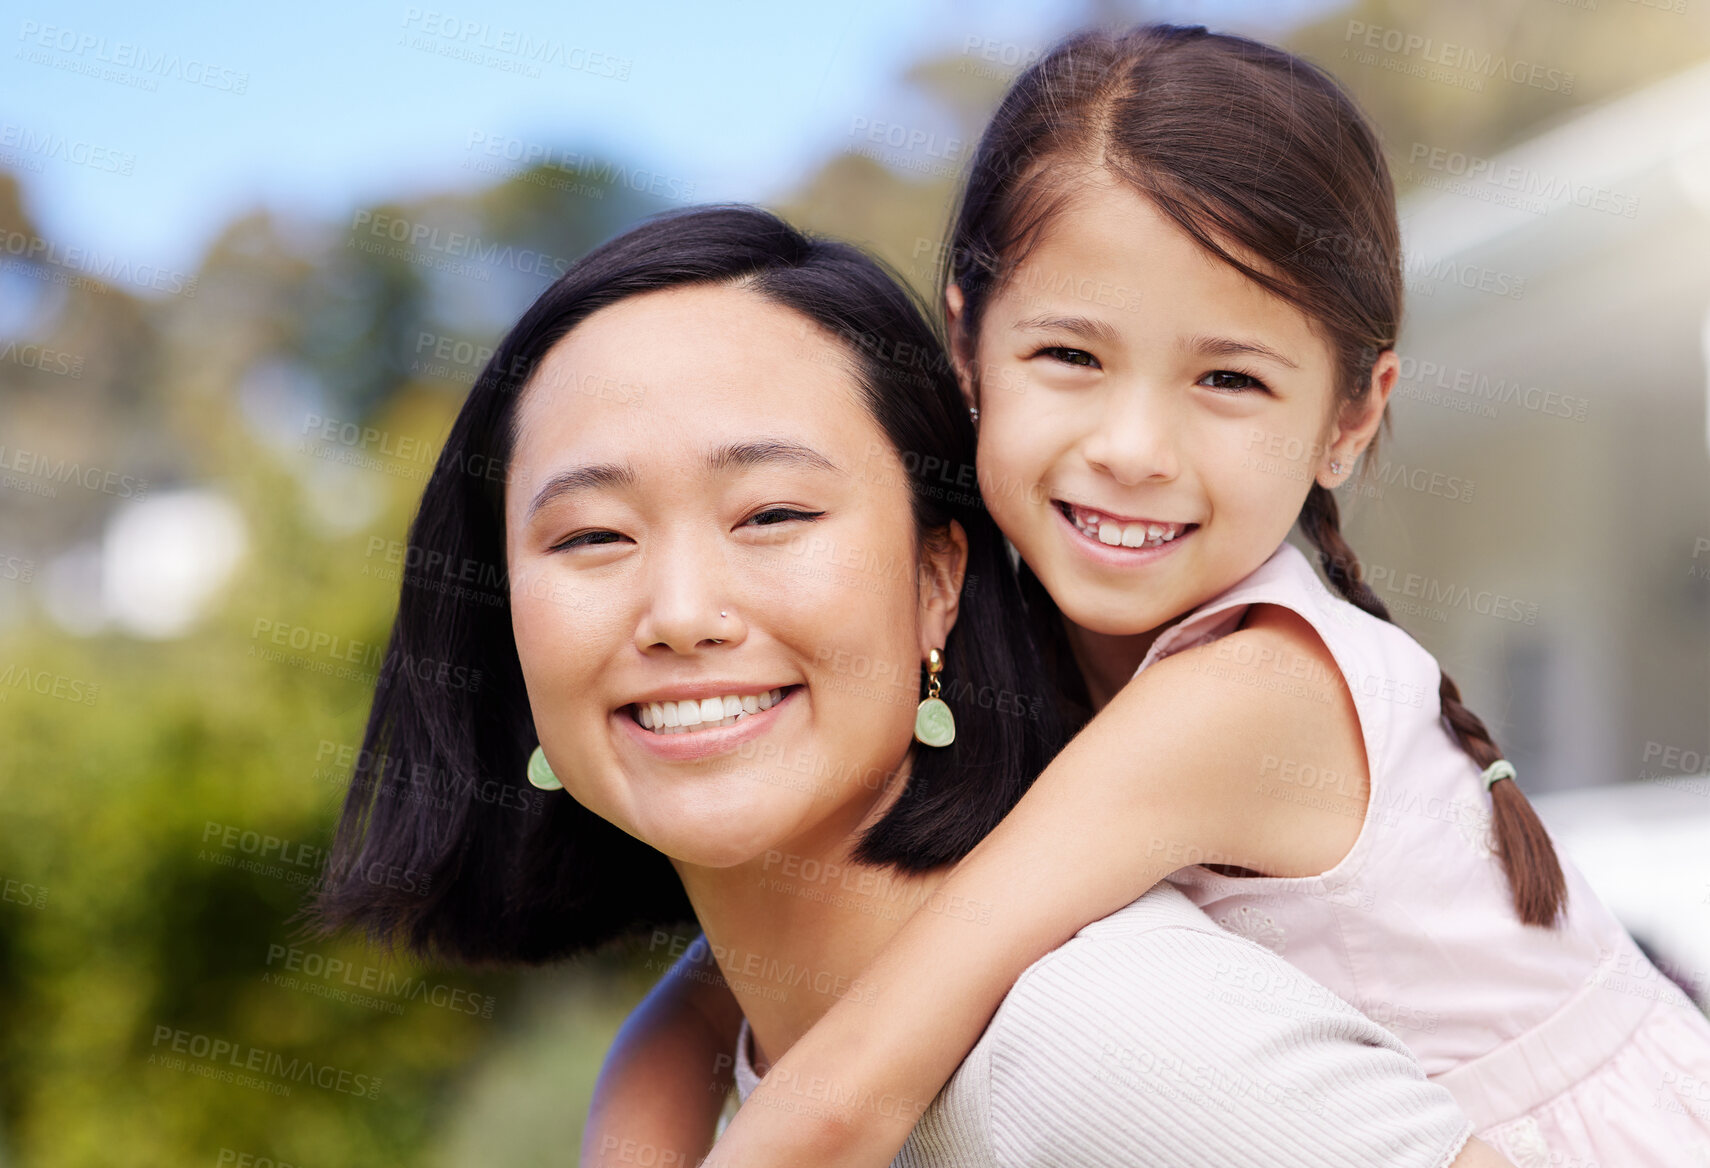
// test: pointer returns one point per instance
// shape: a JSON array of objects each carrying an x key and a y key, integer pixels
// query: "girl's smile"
[{"x": 1122, "y": 541}]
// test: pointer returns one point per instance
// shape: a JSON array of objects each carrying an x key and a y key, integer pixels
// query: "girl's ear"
[
  {"x": 1358, "y": 422},
  {"x": 961, "y": 344}
]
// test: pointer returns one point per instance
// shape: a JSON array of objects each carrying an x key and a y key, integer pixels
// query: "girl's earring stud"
[
  {"x": 1335, "y": 468},
  {"x": 974, "y": 412}
]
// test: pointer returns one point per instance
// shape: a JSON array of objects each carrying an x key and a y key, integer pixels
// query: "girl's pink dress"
[{"x": 1565, "y": 1046}]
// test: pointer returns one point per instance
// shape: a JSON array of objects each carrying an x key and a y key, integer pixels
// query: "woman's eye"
[
  {"x": 1228, "y": 379},
  {"x": 775, "y": 515},
  {"x": 587, "y": 539},
  {"x": 1069, "y": 356}
]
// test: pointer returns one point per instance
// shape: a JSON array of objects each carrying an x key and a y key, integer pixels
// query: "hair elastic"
[{"x": 1500, "y": 769}]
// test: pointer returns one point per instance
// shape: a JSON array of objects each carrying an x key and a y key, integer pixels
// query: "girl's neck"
[
  {"x": 1106, "y": 661},
  {"x": 793, "y": 930}
]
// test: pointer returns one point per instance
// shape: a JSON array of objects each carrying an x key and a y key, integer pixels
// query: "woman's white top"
[{"x": 1154, "y": 1037}]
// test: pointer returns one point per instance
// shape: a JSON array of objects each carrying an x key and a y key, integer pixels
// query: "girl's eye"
[
  {"x": 587, "y": 539},
  {"x": 1231, "y": 381},
  {"x": 1069, "y": 356},
  {"x": 773, "y": 516}
]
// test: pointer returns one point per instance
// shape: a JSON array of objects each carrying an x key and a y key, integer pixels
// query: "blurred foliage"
[
  {"x": 125, "y": 913},
  {"x": 120, "y": 916},
  {"x": 1597, "y": 51}
]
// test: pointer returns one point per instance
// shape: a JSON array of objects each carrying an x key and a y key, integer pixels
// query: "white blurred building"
[{"x": 1542, "y": 522}]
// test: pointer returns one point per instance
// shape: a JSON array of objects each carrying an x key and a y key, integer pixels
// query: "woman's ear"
[
  {"x": 961, "y": 344},
  {"x": 943, "y": 568}
]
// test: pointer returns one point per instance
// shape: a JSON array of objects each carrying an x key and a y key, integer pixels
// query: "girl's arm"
[
  {"x": 1190, "y": 763},
  {"x": 668, "y": 1072}
]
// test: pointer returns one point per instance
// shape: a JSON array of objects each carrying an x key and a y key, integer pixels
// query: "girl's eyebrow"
[
  {"x": 1228, "y": 347},
  {"x": 1081, "y": 326},
  {"x": 754, "y": 452}
]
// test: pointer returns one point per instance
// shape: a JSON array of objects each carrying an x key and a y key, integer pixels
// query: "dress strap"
[
  {"x": 1285, "y": 578},
  {"x": 1383, "y": 668}
]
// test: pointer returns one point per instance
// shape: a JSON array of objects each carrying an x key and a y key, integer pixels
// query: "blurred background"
[{"x": 250, "y": 262}]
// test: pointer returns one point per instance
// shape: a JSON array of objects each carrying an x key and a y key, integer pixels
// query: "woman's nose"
[{"x": 689, "y": 603}]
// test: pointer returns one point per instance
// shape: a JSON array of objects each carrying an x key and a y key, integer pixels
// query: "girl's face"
[
  {"x": 1150, "y": 419},
  {"x": 704, "y": 525}
]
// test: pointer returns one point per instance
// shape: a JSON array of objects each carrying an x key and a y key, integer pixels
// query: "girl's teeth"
[
  {"x": 681, "y": 717},
  {"x": 1128, "y": 535}
]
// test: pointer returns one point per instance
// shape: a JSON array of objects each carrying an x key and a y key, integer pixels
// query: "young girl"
[{"x": 1174, "y": 291}]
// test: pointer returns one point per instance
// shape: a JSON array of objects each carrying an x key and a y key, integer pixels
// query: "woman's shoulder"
[
  {"x": 1159, "y": 954},
  {"x": 1155, "y": 1020}
]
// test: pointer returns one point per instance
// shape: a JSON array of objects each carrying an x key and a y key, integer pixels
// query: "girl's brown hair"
[{"x": 1265, "y": 162}]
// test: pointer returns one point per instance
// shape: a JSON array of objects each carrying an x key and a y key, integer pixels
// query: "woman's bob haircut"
[{"x": 442, "y": 845}]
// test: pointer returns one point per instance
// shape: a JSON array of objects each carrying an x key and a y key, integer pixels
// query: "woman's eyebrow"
[
  {"x": 1229, "y": 347},
  {"x": 581, "y": 478},
  {"x": 759, "y": 451},
  {"x": 754, "y": 452}
]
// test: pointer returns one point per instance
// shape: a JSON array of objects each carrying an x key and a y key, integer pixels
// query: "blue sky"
[{"x": 135, "y": 141}]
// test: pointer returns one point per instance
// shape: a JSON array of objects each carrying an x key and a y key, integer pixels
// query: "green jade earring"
[
  {"x": 540, "y": 772},
  {"x": 934, "y": 725}
]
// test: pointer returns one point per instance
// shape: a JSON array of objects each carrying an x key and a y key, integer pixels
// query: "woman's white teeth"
[
  {"x": 705, "y": 713},
  {"x": 1129, "y": 535}
]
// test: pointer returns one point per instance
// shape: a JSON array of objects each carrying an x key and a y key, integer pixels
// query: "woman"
[{"x": 720, "y": 465}]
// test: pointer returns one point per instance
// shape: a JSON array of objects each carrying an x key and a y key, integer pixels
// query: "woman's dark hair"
[
  {"x": 441, "y": 844},
  {"x": 1270, "y": 167}
]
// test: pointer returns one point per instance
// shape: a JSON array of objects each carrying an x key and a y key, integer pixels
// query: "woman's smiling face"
[
  {"x": 1148, "y": 444},
  {"x": 702, "y": 516}
]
